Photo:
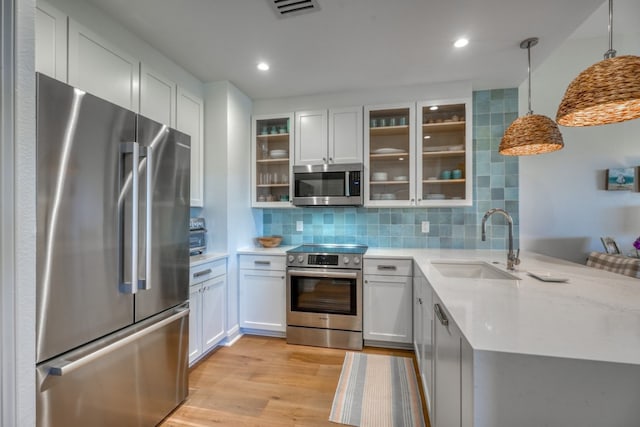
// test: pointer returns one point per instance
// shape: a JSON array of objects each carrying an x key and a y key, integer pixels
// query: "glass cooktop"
[{"x": 329, "y": 249}]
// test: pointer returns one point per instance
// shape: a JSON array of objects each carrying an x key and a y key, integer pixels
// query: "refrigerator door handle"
[
  {"x": 146, "y": 283},
  {"x": 64, "y": 367},
  {"x": 133, "y": 148}
]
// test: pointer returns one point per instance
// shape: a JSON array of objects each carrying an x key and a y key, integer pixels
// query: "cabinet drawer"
[
  {"x": 206, "y": 271},
  {"x": 262, "y": 262},
  {"x": 388, "y": 266}
]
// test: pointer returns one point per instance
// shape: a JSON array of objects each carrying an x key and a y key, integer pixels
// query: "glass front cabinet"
[
  {"x": 390, "y": 155},
  {"x": 272, "y": 146},
  {"x": 444, "y": 160}
]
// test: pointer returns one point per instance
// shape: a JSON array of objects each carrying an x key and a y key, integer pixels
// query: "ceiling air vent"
[{"x": 289, "y": 8}]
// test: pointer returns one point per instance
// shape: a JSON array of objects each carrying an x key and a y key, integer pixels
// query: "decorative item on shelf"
[
  {"x": 610, "y": 245},
  {"x": 606, "y": 92},
  {"x": 620, "y": 179},
  {"x": 636, "y": 245},
  {"x": 456, "y": 174},
  {"x": 445, "y": 174},
  {"x": 531, "y": 133},
  {"x": 269, "y": 241}
]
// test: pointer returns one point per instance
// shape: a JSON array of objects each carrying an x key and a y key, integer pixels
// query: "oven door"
[{"x": 325, "y": 298}]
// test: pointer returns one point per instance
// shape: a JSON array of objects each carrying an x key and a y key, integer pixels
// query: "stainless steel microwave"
[{"x": 328, "y": 185}]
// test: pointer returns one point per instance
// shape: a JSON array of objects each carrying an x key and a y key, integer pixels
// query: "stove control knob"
[
  {"x": 356, "y": 260},
  {"x": 346, "y": 260},
  {"x": 300, "y": 259},
  {"x": 291, "y": 258}
]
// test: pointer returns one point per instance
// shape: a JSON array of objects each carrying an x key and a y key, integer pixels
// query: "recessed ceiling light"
[
  {"x": 461, "y": 42},
  {"x": 427, "y": 137},
  {"x": 263, "y": 66},
  {"x": 433, "y": 108}
]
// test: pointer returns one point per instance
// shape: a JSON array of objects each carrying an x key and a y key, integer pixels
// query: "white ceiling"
[{"x": 352, "y": 44}]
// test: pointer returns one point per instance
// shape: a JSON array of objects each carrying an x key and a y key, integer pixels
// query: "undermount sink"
[{"x": 471, "y": 270}]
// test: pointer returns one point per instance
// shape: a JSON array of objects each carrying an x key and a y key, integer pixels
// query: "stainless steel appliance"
[
  {"x": 197, "y": 236},
  {"x": 328, "y": 185},
  {"x": 112, "y": 262},
  {"x": 324, "y": 295}
]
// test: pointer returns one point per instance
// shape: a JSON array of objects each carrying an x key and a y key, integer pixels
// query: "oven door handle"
[{"x": 321, "y": 274}]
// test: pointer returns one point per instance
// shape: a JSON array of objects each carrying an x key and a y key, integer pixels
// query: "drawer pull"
[
  {"x": 202, "y": 273},
  {"x": 387, "y": 267},
  {"x": 441, "y": 316},
  {"x": 262, "y": 262}
]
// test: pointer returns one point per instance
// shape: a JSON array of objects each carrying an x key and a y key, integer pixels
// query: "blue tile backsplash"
[{"x": 495, "y": 185}]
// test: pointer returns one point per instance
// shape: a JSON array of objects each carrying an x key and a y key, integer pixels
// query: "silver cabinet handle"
[
  {"x": 65, "y": 366},
  {"x": 387, "y": 267},
  {"x": 258, "y": 262},
  {"x": 202, "y": 273},
  {"x": 441, "y": 316}
]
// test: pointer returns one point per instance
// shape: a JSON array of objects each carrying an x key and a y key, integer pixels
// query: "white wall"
[
  {"x": 231, "y": 223},
  {"x": 564, "y": 207},
  {"x": 99, "y": 22}
]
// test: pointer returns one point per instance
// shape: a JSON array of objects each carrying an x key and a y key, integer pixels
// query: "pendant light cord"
[
  {"x": 529, "y": 74},
  {"x": 611, "y": 53}
]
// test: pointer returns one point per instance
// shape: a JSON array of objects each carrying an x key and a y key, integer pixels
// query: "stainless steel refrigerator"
[{"x": 112, "y": 262}]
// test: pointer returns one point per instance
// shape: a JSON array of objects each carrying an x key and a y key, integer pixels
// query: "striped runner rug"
[{"x": 377, "y": 391}]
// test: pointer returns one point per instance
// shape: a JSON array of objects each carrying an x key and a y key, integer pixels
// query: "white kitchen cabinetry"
[
  {"x": 423, "y": 332},
  {"x": 190, "y": 120},
  {"x": 328, "y": 137},
  {"x": 207, "y": 301},
  {"x": 444, "y": 153},
  {"x": 157, "y": 96},
  {"x": 270, "y": 160},
  {"x": 387, "y": 298},
  {"x": 100, "y": 68},
  {"x": 263, "y": 294},
  {"x": 51, "y": 41},
  {"x": 389, "y": 146}
]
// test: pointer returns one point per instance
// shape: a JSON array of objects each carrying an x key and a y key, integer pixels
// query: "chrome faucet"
[{"x": 512, "y": 258}]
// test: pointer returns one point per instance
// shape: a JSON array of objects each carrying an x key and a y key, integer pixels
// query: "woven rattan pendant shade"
[
  {"x": 532, "y": 133},
  {"x": 607, "y": 92}
]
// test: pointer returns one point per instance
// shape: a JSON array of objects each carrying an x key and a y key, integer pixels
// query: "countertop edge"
[{"x": 196, "y": 260}]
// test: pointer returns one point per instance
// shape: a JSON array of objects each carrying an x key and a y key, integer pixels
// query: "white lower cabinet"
[
  {"x": 387, "y": 299},
  {"x": 263, "y": 293},
  {"x": 207, "y": 301}
]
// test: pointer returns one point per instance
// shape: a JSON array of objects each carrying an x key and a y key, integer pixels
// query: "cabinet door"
[
  {"x": 345, "y": 135},
  {"x": 157, "y": 96},
  {"x": 213, "y": 311},
  {"x": 190, "y": 120},
  {"x": 427, "y": 340},
  {"x": 195, "y": 322},
  {"x": 388, "y": 310},
  {"x": 447, "y": 398},
  {"x": 271, "y": 154},
  {"x": 51, "y": 41},
  {"x": 262, "y": 300},
  {"x": 311, "y": 138},
  {"x": 444, "y": 169},
  {"x": 102, "y": 69},
  {"x": 389, "y": 155}
]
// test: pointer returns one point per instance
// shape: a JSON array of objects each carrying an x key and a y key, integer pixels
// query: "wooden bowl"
[{"x": 269, "y": 241}]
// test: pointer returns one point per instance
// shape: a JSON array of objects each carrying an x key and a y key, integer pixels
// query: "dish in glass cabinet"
[
  {"x": 435, "y": 196},
  {"x": 278, "y": 154},
  {"x": 401, "y": 178},
  {"x": 379, "y": 176},
  {"x": 435, "y": 148},
  {"x": 387, "y": 151},
  {"x": 456, "y": 148}
]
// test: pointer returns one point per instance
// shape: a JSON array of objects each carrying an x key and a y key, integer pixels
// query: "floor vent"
[{"x": 290, "y": 8}]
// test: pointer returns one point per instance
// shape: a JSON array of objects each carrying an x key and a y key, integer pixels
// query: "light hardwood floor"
[{"x": 262, "y": 381}]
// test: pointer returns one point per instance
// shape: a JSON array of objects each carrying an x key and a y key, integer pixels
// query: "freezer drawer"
[{"x": 132, "y": 378}]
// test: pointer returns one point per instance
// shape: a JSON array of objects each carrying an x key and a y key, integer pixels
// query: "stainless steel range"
[{"x": 324, "y": 295}]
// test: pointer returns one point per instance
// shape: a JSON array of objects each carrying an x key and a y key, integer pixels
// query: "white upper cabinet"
[
  {"x": 100, "y": 68},
  {"x": 51, "y": 41},
  {"x": 157, "y": 96},
  {"x": 190, "y": 120},
  {"x": 345, "y": 135},
  {"x": 311, "y": 138},
  {"x": 326, "y": 137}
]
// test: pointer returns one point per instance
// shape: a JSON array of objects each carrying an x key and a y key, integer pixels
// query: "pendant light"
[
  {"x": 531, "y": 133},
  {"x": 607, "y": 92}
]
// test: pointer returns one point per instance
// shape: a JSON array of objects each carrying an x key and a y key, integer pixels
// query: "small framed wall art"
[{"x": 621, "y": 179}]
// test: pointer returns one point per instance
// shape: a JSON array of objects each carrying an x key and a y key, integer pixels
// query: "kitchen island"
[{"x": 532, "y": 353}]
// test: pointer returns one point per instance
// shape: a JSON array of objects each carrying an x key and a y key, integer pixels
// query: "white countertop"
[
  {"x": 206, "y": 257},
  {"x": 253, "y": 250},
  {"x": 594, "y": 316}
]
